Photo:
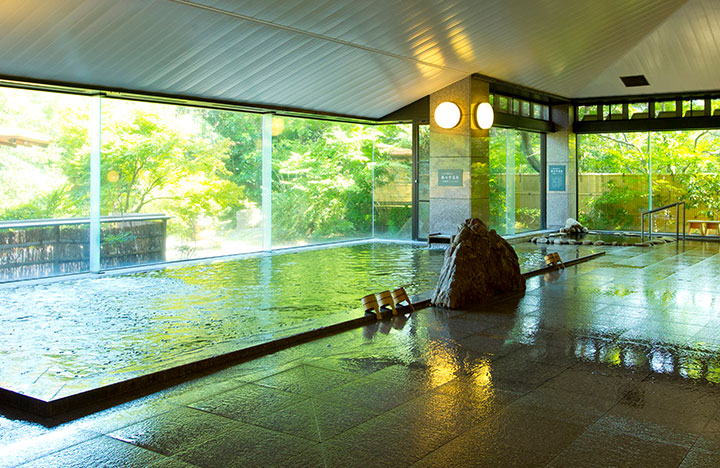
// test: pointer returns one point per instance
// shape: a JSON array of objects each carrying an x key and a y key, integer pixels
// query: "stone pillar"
[
  {"x": 561, "y": 157},
  {"x": 461, "y": 155}
]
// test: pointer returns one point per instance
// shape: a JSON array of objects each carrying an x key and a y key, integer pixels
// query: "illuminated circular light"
[
  {"x": 447, "y": 115},
  {"x": 484, "y": 115},
  {"x": 113, "y": 176}
]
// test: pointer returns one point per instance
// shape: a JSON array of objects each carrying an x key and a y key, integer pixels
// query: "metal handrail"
[{"x": 677, "y": 220}]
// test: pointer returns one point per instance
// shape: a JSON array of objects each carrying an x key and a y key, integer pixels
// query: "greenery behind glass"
[
  {"x": 615, "y": 184},
  {"x": 203, "y": 168}
]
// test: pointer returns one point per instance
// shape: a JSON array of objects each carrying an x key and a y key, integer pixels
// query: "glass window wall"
[
  {"x": 392, "y": 200},
  {"x": 685, "y": 167},
  {"x": 624, "y": 174},
  {"x": 322, "y": 181},
  {"x": 613, "y": 180},
  {"x": 424, "y": 181},
  {"x": 180, "y": 182},
  {"x": 515, "y": 167},
  {"x": 44, "y": 184}
]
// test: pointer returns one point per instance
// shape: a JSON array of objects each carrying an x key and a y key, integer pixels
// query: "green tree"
[{"x": 151, "y": 164}]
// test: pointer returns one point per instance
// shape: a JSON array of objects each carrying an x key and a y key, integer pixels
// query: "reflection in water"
[{"x": 112, "y": 327}]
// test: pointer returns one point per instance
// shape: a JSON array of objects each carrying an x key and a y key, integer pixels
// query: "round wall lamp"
[
  {"x": 484, "y": 115},
  {"x": 447, "y": 114}
]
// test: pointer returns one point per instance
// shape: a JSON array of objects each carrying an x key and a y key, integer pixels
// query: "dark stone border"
[
  {"x": 104, "y": 397},
  {"x": 572, "y": 262}
]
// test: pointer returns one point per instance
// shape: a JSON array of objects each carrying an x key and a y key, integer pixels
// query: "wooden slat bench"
[{"x": 704, "y": 225}]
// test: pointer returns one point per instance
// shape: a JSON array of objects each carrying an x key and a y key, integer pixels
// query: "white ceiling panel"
[
  {"x": 165, "y": 47},
  {"x": 682, "y": 54},
  {"x": 363, "y": 58}
]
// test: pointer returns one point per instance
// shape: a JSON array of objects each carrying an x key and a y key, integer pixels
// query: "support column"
[
  {"x": 459, "y": 160},
  {"x": 95, "y": 149},
  {"x": 561, "y": 169},
  {"x": 510, "y": 182},
  {"x": 267, "y": 181}
]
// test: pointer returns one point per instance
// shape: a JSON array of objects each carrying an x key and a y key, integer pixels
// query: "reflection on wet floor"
[{"x": 613, "y": 362}]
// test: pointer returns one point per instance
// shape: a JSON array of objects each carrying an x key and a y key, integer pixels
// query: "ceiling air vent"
[{"x": 634, "y": 80}]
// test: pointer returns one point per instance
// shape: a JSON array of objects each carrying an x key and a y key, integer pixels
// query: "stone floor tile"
[
  {"x": 104, "y": 451},
  {"x": 199, "y": 389},
  {"x": 244, "y": 445},
  {"x": 520, "y": 375},
  {"x": 515, "y": 438},
  {"x": 423, "y": 377},
  {"x": 710, "y": 436},
  {"x": 315, "y": 419},
  {"x": 601, "y": 447},
  {"x": 306, "y": 380},
  {"x": 493, "y": 345},
  {"x": 598, "y": 381},
  {"x": 700, "y": 458},
  {"x": 681, "y": 428},
  {"x": 546, "y": 352},
  {"x": 247, "y": 403},
  {"x": 447, "y": 415},
  {"x": 681, "y": 395},
  {"x": 615, "y": 422},
  {"x": 392, "y": 440},
  {"x": 564, "y": 406},
  {"x": 13, "y": 427},
  {"x": 355, "y": 364},
  {"x": 310, "y": 458},
  {"x": 374, "y": 452},
  {"x": 122, "y": 415},
  {"x": 374, "y": 394},
  {"x": 172, "y": 432}
]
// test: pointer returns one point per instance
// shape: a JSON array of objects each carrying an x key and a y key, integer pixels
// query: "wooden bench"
[{"x": 704, "y": 225}]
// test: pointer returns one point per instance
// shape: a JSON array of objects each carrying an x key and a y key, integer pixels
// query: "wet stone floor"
[{"x": 613, "y": 362}]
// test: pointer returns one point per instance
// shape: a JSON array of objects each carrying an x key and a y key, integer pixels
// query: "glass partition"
[
  {"x": 44, "y": 184},
  {"x": 181, "y": 182},
  {"x": 515, "y": 163},
  {"x": 623, "y": 174},
  {"x": 322, "y": 181},
  {"x": 665, "y": 109},
  {"x": 393, "y": 182},
  {"x": 613, "y": 180},
  {"x": 685, "y": 167},
  {"x": 423, "y": 181},
  {"x": 178, "y": 183}
]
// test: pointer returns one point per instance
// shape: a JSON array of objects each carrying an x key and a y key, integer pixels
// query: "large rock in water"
[{"x": 478, "y": 264}]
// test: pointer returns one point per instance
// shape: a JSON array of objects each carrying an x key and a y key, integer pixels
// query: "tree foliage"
[
  {"x": 683, "y": 165},
  {"x": 200, "y": 166}
]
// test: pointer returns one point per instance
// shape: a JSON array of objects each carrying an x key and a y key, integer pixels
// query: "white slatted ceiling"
[
  {"x": 683, "y": 53},
  {"x": 363, "y": 58}
]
